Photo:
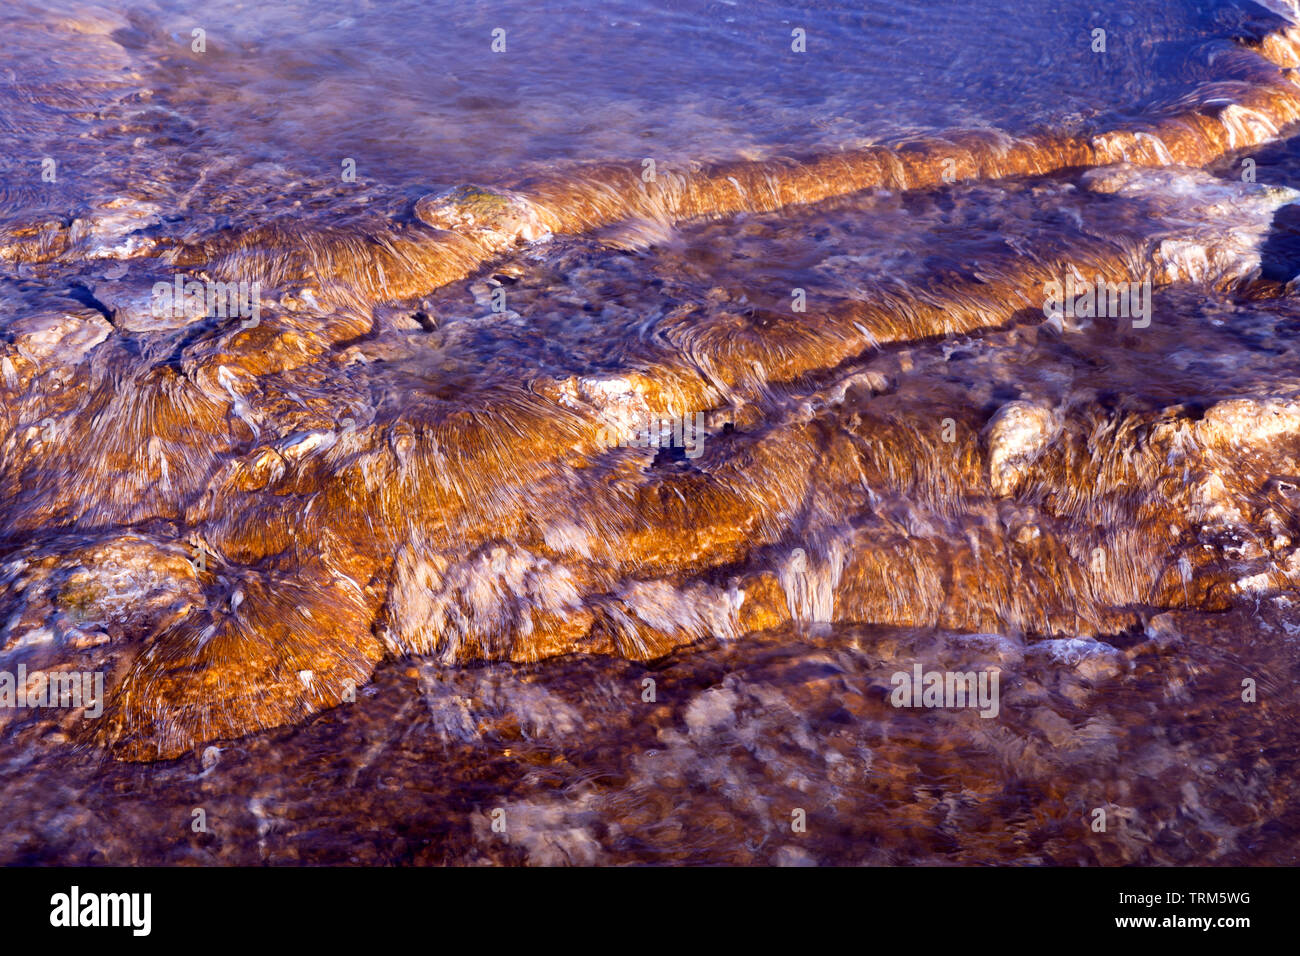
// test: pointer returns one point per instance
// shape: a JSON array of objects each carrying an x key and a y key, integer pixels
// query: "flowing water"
[{"x": 556, "y": 433}]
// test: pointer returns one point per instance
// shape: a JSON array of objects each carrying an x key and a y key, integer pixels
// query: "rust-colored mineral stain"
[{"x": 382, "y": 526}]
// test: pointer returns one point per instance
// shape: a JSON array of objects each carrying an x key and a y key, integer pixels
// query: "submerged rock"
[
  {"x": 498, "y": 219},
  {"x": 1017, "y": 435}
]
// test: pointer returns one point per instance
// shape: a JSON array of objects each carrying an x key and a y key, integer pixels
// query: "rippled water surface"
[{"x": 620, "y": 403}]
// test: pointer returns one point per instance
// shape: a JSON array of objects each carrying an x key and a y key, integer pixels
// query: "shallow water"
[{"x": 380, "y": 572}]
